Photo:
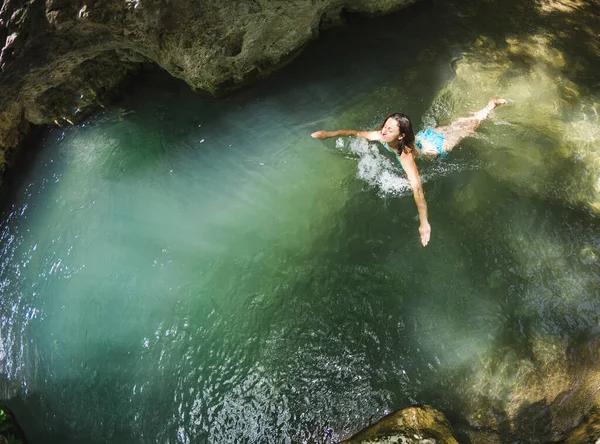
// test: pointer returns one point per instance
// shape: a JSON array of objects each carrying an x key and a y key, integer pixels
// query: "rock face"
[
  {"x": 61, "y": 56},
  {"x": 411, "y": 425}
]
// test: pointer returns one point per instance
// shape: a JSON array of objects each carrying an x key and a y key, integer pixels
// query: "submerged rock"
[
  {"x": 553, "y": 396},
  {"x": 411, "y": 425},
  {"x": 60, "y": 56},
  {"x": 554, "y": 113}
]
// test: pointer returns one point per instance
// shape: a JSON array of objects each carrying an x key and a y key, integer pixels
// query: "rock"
[
  {"x": 60, "y": 56},
  {"x": 552, "y": 396},
  {"x": 410, "y": 425}
]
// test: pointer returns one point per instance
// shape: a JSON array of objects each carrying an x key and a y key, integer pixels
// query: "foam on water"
[{"x": 376, "y": 169}]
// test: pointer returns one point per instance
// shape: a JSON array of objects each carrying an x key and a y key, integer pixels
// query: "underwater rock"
[
  {"x": 60, "y": 56},
  {"x": 554, "y": 113},
  {"x": 417, "y": 424},
  {"x": 553, "y": 395}
]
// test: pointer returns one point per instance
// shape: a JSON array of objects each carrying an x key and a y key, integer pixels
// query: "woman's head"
[{"x": 397, "y": 130}]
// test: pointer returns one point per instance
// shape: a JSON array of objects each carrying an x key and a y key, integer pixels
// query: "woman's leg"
[{"x": 466, "y": 126}]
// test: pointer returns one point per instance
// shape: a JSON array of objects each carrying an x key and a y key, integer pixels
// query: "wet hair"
[{"x": 407, "y": 143}]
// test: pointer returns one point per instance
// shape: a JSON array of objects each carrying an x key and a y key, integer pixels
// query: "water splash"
[
  {"x": 376, "y": 169},
  {"x": 385, "y": 175}
]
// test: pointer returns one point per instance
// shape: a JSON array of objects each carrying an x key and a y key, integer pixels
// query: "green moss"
[{"x": 10, "y": 432}]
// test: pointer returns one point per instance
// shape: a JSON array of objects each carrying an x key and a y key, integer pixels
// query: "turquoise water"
[{"x": 181, "y": 269}]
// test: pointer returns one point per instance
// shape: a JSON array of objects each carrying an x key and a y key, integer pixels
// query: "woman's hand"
[
  {"x": 320, "y": 135},
  {"x": 425, "y": 232}
]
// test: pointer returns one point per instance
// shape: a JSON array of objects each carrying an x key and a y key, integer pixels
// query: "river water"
[{"x": 179, "y": 269}]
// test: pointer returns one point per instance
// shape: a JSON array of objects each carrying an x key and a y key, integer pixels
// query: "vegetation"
[{"x": 10, "y": 432}]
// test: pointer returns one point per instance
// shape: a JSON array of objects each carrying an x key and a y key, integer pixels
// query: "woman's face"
[{"x": 390, "y": 131}]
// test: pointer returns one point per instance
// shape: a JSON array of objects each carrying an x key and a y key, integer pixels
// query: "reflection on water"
[{"x": 181, "y": 270}]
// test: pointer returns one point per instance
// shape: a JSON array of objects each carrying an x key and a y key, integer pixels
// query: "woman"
[{"x": 397, "y": 136}]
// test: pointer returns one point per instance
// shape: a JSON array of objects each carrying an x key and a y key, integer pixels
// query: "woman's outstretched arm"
[
  {"x": 408, "y": 163},
  {"x": 370, "y": 135}
]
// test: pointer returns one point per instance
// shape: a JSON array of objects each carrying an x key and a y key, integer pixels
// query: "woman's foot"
[
  {"x": 482, "y": 114},
  {"x": 495, "y": 102}
]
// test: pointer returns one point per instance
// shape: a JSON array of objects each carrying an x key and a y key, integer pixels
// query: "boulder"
[{"x": 417, "y": 424}]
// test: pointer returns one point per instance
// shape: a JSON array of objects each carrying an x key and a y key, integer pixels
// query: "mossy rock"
[
  {"x": 10, "y": 432},
  {"x": 417, "y": 424}
]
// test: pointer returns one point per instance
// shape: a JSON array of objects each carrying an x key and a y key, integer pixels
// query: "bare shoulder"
[
  {"x": 371, "y": 135},
  {"x": 409, "y": 158}
]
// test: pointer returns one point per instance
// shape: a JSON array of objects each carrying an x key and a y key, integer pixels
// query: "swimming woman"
[{"x": 397, "y": 136}]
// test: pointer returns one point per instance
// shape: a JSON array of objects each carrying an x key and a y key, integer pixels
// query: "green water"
[{"x": 180, "y": 269}]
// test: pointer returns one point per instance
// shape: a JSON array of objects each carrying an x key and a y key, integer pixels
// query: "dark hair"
[{"x": 407, "y": 143}]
